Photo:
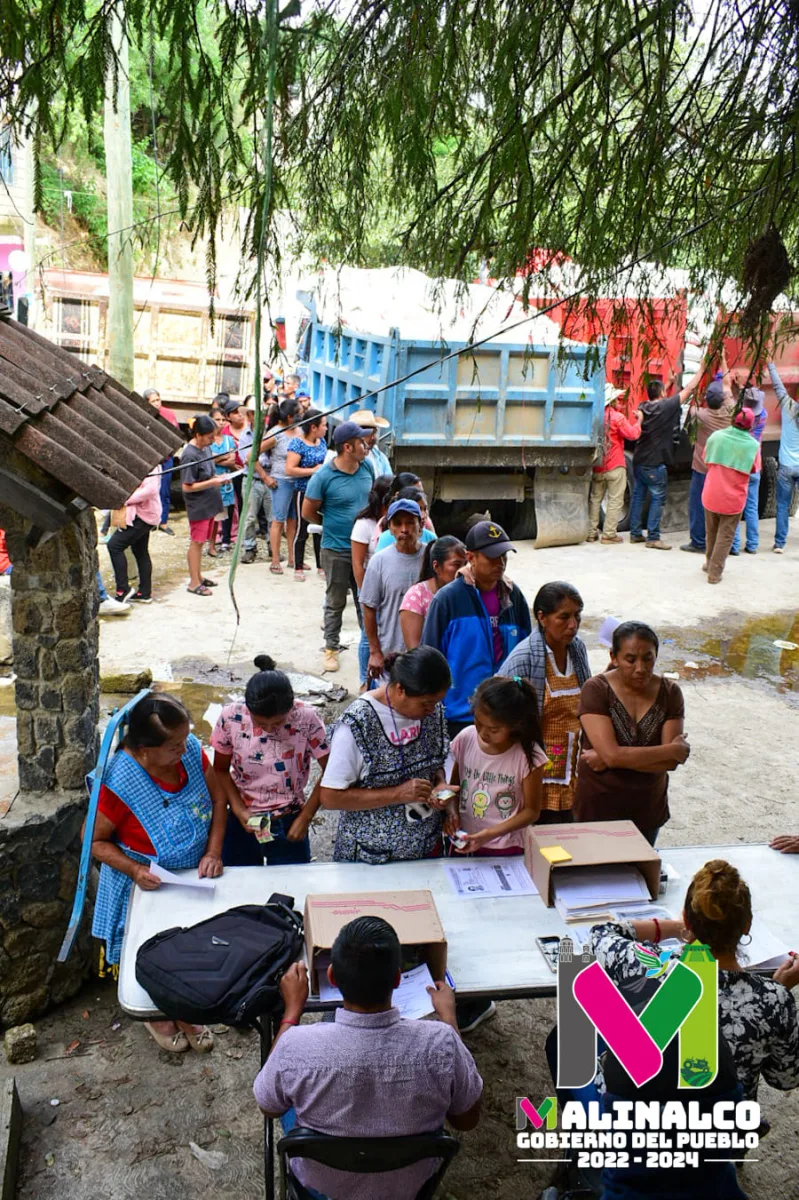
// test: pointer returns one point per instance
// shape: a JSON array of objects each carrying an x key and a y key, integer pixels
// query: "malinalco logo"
[
  {"x": 527, "y": 1113},
  {"x": 685, "y": 1004}
]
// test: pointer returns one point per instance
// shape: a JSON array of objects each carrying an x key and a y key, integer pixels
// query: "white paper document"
[
  {"x": 474, "y": 880},
  {"x": 581, "y": 891},
  {"x": 765, "y": 952},
  {"x": 411, "y": 997},
  {"x": 226, "y": 478},
  {"x": 190, "y": 881}
]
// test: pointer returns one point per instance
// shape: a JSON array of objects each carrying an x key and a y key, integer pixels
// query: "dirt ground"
[{"x": 127, "y": 1112}]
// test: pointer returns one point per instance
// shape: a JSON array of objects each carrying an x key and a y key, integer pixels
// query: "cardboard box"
[
  {"x": 593, "y": 844},
  {"x": 412, "y": 914}
]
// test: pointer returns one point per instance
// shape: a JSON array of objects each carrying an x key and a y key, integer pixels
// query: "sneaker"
[
  {"x": 248, "y": 556},
  {"x": 637, "y": 537},
  {"x": 331, "y": 660},
  {"x": 139, "y": 599},
  {"x": 658, "y": 545},
  {"x": 748, "y": 551},
  {"x": 471, "y": 1013},
  {"x": 734, "y": 553},
  {"x": 778, "y": 549},
  {"x": 611, "y": 541},
  {"x": 166, "y": 529},
  {"x": 113, "y": 608},
  {"x": 690, "y": 548}
]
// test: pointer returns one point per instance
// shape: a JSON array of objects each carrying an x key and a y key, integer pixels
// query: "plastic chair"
[
  {"x": 364, "y": 1156},
  {"x": 114, "y": 729}
]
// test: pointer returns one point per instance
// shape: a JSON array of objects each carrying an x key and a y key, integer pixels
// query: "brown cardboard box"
[
  {"x": 593, "y": 844},
  {"x": 412, "y": 914}
]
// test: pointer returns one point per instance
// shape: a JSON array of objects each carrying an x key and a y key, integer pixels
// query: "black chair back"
[{"x": 364, "y": 1156}]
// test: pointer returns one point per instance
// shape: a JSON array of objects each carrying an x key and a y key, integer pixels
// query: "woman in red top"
[
  {"x": 610, "y": 475},
  {"x": 162, "y": 803}
]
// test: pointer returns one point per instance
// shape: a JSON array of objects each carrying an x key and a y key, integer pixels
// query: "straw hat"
[{"x": 369, "y": 420}]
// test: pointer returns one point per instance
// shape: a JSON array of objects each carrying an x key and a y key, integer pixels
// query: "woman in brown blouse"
[{"x": 632, "y": 723}]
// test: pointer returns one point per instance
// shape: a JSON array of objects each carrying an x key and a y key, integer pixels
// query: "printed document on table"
[
  {"x": 411, "y": 997},
  {"x": 474, "y": 880},
  {"x": 190, "y": 881},
  {"x": 765, "y": 952}
]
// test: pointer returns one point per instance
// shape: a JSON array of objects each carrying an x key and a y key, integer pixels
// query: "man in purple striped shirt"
[{"x": 370, "y": 1073}]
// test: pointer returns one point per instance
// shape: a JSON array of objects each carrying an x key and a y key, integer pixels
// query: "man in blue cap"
[
  {"x": 337, "y": 492},
  {"x": 755, "y": 399},
  {"x": 476, "y": 620},
  {"x": 388, "y": 577}
]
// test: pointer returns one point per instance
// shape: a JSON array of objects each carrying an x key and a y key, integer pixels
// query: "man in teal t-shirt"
[{"x": 338, "y": 492}]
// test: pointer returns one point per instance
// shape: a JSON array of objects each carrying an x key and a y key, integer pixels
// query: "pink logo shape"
[
  {"x": 613, "y": 1018},
  {"x": 531, "y": 1112}
]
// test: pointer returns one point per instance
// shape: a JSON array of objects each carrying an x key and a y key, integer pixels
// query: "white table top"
[{"x": 491, "y": 942}]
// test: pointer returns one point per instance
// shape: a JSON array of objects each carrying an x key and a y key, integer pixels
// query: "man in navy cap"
[
  {"x": 337, "y": 492},
  {"x": 476, "y": 620}
]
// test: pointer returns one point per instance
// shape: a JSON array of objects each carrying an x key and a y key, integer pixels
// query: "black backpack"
[{"x": 226, "y": 969}]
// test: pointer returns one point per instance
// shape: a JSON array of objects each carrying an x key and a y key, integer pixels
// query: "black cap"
[{"x": 489, "y": 539}]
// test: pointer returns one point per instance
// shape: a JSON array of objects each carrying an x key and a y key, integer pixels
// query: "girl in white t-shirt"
[{"x": 498, "y": 768}]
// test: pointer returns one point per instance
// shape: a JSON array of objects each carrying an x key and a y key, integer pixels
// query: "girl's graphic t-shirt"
[
  {"x": 270, "y": 769},
  {"x": 491, "y": 785}
]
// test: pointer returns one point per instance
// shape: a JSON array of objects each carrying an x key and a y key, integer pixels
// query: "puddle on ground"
[
  {"x": 747, "y": 650},
  {"x": 202, "y": 701}
]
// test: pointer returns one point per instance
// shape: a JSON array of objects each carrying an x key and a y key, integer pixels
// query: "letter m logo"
[{"x": 527, "y": 1113}]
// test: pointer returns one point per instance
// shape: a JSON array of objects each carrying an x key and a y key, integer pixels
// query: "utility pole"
[{"x": 119, "y": 183}]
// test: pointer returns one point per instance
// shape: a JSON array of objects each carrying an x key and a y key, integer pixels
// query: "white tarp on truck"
[{"x": 424, "y": 309}]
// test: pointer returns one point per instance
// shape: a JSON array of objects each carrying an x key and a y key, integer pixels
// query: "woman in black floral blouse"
[{"x": 757, "y": 1015}]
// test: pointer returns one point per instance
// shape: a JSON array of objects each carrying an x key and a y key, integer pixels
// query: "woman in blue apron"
[
  {"x": 160, "y": 801},
  {"x": 386, "y": 762}
]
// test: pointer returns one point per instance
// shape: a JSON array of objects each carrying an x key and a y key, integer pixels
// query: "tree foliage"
[{"x": 444, "y": 133}]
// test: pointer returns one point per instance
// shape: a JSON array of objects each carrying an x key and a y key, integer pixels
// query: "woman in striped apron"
[{"x": 160, "y": 801}]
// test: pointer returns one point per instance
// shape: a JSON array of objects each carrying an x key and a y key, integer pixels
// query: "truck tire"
[
  {"x": 767, "y": 496},
  {"x": 525, "y": 525}
]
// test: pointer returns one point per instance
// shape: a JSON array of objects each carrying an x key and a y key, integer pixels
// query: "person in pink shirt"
[
  {"x": 732, "y": 455},
  {"x": 142, "y": 514},
  {"x": 262, "y": 752},
  {"x": 442, "y": 560},
  {"x": 498, "y": 768},
  {"x": 610, "y": 475}
]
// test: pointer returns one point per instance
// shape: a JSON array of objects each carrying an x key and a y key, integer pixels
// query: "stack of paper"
[
  {"x": 585, "y": 893},
  {"x": 765, "y": 952}
]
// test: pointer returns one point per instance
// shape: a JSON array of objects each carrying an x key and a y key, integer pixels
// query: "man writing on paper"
[{"x": 369, "y": 1073}]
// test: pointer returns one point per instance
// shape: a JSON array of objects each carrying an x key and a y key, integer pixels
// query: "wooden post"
[{"x": 119, "y": 179}]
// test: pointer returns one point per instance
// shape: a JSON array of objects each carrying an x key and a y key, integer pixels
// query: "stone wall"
[
  {"x": 39, "y": 855},
  {"x": 55, "y": 643}
]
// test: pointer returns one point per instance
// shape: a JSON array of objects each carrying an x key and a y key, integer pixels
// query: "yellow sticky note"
[{"x": 555, "y": 854}]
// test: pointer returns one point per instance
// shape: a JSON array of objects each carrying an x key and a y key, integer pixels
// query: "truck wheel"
[
  {"x": 767, "y": 496},
  {"x": 525, "y": 525}
]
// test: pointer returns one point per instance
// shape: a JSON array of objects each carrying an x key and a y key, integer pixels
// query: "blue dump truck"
[{"x": 510, "y": 427}]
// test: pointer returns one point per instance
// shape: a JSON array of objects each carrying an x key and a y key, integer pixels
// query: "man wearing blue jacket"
[{"x": 476, "y": 620}]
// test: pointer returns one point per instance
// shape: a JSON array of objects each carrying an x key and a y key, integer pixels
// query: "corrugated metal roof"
[{"x": 74, "y": 421}]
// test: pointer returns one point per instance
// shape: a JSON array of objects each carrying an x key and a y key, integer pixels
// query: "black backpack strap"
[{"x": 279, "y": 898}]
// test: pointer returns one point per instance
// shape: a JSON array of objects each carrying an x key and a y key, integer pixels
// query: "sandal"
[
  {"x": 202, "y": 590},
  {"x": 209, "y": 583},
  {"x": 202, "y": 1042},
  {"x": 276, "y": 569},
  {"x": 299, "y": 577},
  {"x": 212, "y": 553},
  {"x": 173, "y": 1043}
]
